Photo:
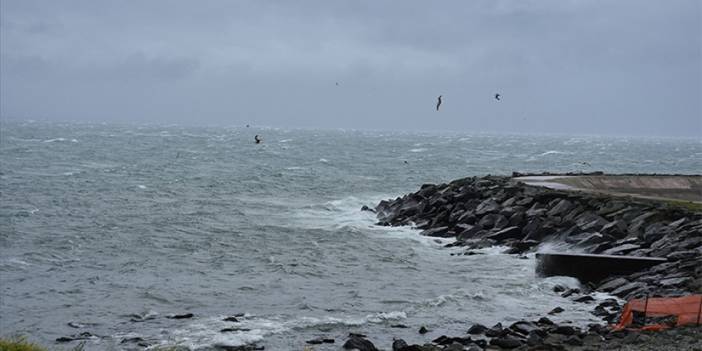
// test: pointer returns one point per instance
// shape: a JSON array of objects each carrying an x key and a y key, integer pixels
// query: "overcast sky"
[{"x": 562, "y": 66}]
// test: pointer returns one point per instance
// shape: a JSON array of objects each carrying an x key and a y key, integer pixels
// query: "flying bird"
[
  {"x": 438, "y": 103},
  {"x": 497, "y": 97},
  {"x": 258, "y": 139}
]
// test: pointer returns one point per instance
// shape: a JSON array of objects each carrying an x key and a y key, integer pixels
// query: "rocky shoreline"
[{"x": 497, "y": 210}]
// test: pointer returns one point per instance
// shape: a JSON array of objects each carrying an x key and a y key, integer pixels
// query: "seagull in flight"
[
  {"x": 438, "y": 103},
  {"x": 497, "y": 97},
  {"x": 258, "y": 139}
]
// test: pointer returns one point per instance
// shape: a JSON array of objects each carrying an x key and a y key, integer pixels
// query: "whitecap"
[
  {"x": 141, "y": 186},
  {"x": 421, "y": 149},
  {"x": 323, "y": 160},
  {"x": 554, "y": 152},
  {"x": 54, "y": 140},
  {"x": 74, "y": 140},
  {"x": 385, "y": 316}
]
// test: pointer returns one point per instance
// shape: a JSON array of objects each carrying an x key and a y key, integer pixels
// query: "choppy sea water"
[{"x": 99, "y": 223}]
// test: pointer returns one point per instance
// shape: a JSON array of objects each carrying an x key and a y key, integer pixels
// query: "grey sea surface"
[{"x": 111, "y": 229}]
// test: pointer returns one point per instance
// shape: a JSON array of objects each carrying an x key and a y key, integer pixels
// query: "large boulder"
[
  {"x": 440, "y": 232},
  {"x": 359, "y": 343},
  {"x": 507, "y": 233},
  {"x": 487, "y": 206}
]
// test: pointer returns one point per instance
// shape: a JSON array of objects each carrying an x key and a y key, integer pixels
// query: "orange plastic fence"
[{"x": 686, "y": 308}]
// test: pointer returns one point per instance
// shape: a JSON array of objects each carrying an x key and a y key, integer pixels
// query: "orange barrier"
[{"x": 684, "y": 310}]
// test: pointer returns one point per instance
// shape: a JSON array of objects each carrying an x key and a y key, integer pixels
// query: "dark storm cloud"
[{"x": 595, "y": 67}]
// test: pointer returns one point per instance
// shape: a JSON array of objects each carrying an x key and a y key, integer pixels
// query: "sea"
[{"x": 113, "y": 229}]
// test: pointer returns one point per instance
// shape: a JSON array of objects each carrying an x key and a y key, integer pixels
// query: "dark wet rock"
[
  {"x": 522, "y": 246},
  {"x": 673, "y": 282},
  {"x": 468, "y": 217},
  {"x": 592, "y": 340},
  {"x": 621, "y": 249},
  {"x": 74, "y": 337},
  {"x": 441, "y": 232},
  {"x": 677, "y": 223},
  {"x": 507, "y": 233},
  {"x": 601, "y": 312},
  {"x": 537, "y": 230},
  {"x": 534, "y": 339},
  {"x": 490, "y": 221},
  {"x": 234, "y": 330},
  {"x": 454, "y": 347},
  {"x": 320, "y": 340},
  {"x": 573, "y": 341},
  {"x": 628, "y": 288},
  {"x": 423, "y": 330},
  {"x": 655, "y": 232},
  {"x": 586, "y": 298},
  {"x": 445, "y": 340},
  {"x": 399, "y": 345},
  {"x": 586, "y": 239},
  {"x": 506, "y": 342},
  {"x": 135, "y": 340},
  {"x": 565, "y": 330},
  {"x": 181, "y": 316},
  {"x": 359, "y": 343},
  {"x": 556, "y": 310},
  {"x": 482, "y": 343},
  {"x": 546, "y": 321},
  {"x": 402, "y": 326},
  {"x": 230, "y": 319},
  {"x": 559, "y": 288},
  {"x": 616, "y": 229},
  {"x": 524, "y": 327},
  {"x": 536, "y": 210},
  {"x": 366, "y": 208},
  {"x": 570, "y": 292},
  {"x": 683, "y": 255},
  {"x": 563, "y": 206},
  {"x": 496, "y": 330},
  {"x": 613, "y": 284},
  {"x": 516, "y": 219},
  {"x": 469, "y": 232},
  {"x": 487, "y": 206},
  {"x": 477, "y": 329}
]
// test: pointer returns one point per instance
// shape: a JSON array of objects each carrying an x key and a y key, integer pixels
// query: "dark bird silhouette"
[
  {"x": 337, "y": 84},
  {"x": 258, "y": 139},
  {"x": 497, "y": 97},
  {"x": 586, "y": 164},
  {"x": 438, "y": 103},
  {"x": 247, "y": 126}
]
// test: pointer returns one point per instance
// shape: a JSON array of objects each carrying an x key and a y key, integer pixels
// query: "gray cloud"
[{"x": 594, "y": 67}]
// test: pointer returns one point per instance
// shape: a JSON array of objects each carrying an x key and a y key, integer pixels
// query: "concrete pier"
[
  {"x": 591, "y": 268},
  {"x": 662, "y": 187}
]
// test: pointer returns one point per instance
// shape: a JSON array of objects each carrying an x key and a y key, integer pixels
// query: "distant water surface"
[{"x": 102, "y": 222}]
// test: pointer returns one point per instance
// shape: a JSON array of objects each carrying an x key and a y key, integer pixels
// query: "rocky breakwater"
[{"x": 497, "y": 210}]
